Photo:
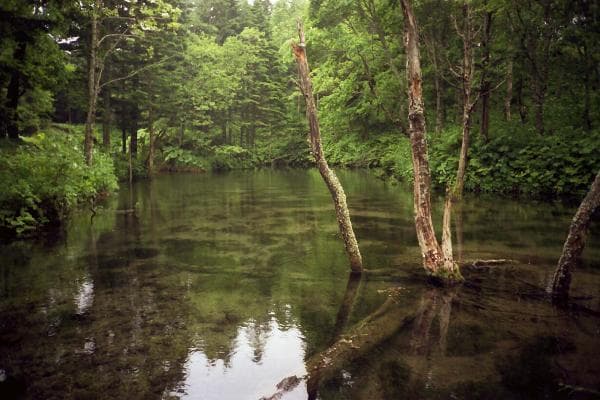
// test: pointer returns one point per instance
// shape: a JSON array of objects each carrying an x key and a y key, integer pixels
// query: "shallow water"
[{"x": 223, "y": 286}]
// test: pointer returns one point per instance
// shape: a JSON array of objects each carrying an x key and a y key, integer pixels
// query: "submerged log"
[
  {"x": 485, "y": 263},
  {"x": 331, "y": 180},
  {"x": 380, "y": 326},
  {"x": 373, "y": 330}
]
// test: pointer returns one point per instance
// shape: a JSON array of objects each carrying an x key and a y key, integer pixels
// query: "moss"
[{"x": 446, "y": 278}]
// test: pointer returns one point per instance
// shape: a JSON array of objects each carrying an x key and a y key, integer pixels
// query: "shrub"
[
  {"x": 517, "y": 161},
  {"x": 45, "y": 177}
]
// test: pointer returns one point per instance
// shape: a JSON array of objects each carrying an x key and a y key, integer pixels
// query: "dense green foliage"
[
  {"x": 198, "y": 85},
  {"x": 45, "y": 177},
  {"x": 515, "y": 162}
]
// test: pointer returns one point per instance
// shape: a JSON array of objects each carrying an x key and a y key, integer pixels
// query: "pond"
[{"x": 236, "y": 286}]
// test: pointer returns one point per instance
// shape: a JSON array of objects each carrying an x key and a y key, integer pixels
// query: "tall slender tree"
[
  {"x": 437, "y": 260},
  {"x": 331, "y": 180}
]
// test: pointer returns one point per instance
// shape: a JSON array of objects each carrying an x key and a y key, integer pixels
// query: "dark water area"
[{"x": 226, "y": 286}]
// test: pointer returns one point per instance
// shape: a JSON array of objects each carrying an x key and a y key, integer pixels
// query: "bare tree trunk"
[
  {"x": 588, "y": 68},
  {"x": 434, "y": 261},
  {"x": 130, "y": 164},
  {"x": 106, "y": 121},
  {"x": 468, "y": 72},
  {"x": 181, "y": 133},
  {"x": 464, "y": 153},
  {"x": 485, "y": 110},
  {"x": 539, "y": 98},
  {"x": 509, "y": 89},
  {"x": 485, "y": 81},
  {"x": 520, "y": 103},
  {"x": 134, "y": 132},
  {"x": 152, "y": 140},
  {"x": 331, "y": 180},
  {"x": 575, "y": 242},
  {"x": 439, "y": 104},
  {"x": 88, "y": 145},
  {"x": 14, "y": 92},
  {"x": 123, "y": 140},
  {"x": 446, "y": 228}
]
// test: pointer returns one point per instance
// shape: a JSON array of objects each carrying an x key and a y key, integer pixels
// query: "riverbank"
[{"x": 44, "y": 176}]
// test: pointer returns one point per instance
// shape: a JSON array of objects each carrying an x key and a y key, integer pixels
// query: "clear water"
[{"x": 222, "y": 286}]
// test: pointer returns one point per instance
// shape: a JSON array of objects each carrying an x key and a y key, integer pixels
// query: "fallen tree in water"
[{"x": 373, "y": 330}]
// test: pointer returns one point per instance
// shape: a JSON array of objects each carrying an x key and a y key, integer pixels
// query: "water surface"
[{"x": 222, "y": 286}]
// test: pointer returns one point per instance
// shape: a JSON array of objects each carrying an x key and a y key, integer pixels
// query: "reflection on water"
[
  {"x": 85, "y": 295},
  {"x": 235, "y": 287},
  {"x": 259, "y": 356}
]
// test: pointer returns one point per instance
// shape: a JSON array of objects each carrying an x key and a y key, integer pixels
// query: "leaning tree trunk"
[
  {"x": 575, "y": 243},
  {"x": 434, "y": 261},
  {"x": 331, "y": 180}
]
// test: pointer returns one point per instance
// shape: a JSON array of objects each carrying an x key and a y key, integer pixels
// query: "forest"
[{"x": 154, "y": 152}]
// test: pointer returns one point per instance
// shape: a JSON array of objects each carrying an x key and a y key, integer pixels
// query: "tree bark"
[
  {"x": 151, "y": 148},
  {"x": 509, "y": 89},
  {"x": 134, "y": 133},
  {"x": 575, "y": 243},
  {"x": 434, "y": 261},
  {"x": 88, "y": 145},
  {"x": 539, "y": 98},
  {"x": 520, "y": 103},
  {"x": 13, "y": 93},
  {"x": 439, "y": 103},
  {"x": 468, "y": 72},
  {"x": 106, "y": 121},
  {"x": 485, "y": 81},
  {"x": 588, "y": 70},
  {"x": 331, "y": 180},
  {"x": 123, "y": 139},
  {"x": 130, "y": 165}
]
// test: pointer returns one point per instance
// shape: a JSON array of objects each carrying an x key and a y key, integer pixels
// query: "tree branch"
[{"x": 134, "y": 73}]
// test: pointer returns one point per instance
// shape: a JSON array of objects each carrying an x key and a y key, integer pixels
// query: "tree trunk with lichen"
[
  {"x": 437, "y": 264},
  {"x": 331, "y": 180},
  {"x": 575, "y": 243}
]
